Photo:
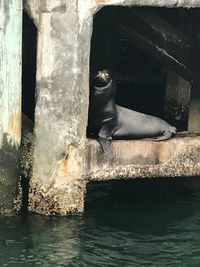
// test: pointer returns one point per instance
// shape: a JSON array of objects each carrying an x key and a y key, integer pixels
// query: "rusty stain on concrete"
[
  {"x": 14, "y": 125},
  {"x": 64, "y": 166}
]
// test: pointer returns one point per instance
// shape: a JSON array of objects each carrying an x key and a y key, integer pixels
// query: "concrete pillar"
[
  {"x": 194, "y": 116},
  {"x": 177, "y": 101},
  {"x": 10, "y": 99},
  {"x": 61, "y": 109}
]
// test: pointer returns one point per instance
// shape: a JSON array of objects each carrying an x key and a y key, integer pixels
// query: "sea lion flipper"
[
  {"x": 105, "y": 144},
  {"x": 105, "y": 135},
  {"x": 164, "y": 136}
]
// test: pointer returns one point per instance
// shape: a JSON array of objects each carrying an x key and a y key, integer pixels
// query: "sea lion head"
[{"x": 102, "y": 78}]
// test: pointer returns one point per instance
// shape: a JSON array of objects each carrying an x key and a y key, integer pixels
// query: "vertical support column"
[
  {"x": 57, "y": 186},
  {"x": 10, "y": 99},
  {"x": 177, "y": 100},
  {"x": 194, "y": 116}
]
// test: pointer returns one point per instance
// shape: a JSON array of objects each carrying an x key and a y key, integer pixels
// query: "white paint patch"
[
  {"x": 10, "y": 70},
  {"x": 45, "y": 58}
]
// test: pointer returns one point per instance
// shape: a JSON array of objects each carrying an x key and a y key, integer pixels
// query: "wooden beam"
[{"x": 154, "y": 35}]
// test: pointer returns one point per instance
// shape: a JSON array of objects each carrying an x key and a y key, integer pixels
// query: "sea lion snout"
[{"x": 102, "y": 78}]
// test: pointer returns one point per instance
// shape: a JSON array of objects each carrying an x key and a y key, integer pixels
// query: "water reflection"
[
  {"x": 140, "y": 223},
  {"x": 36, "y": 240},
  {"x": 152, "y": 223}
]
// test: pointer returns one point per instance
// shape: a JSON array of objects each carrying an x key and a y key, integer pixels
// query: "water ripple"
[{"x": 129, "y": 224}]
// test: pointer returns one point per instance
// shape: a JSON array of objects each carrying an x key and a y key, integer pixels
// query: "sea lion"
[
  {"x": 136, "y": 125},
  {"x": 109, "y": 121},
  {"x": 103, "y": 121}
]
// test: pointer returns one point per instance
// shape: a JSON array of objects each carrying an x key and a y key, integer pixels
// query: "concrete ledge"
[
  {"x": 176, "y": 157},
  {"x": 64, "y": 193}
]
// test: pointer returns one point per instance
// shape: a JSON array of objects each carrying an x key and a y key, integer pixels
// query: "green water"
[{"x": 136, "y": 223}]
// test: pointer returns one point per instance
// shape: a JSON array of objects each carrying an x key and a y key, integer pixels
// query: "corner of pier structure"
[{"x": 64, "y": 159}]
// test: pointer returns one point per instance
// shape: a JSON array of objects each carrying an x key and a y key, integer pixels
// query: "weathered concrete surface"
[
  {"x": 32, "y": 8},
  {"x": 9, "y": 174},
  {"x": 25, "y": 164},
  {"x": 58, "y": 201},
  {"x": 194, "y": 115},
  {"x": 176, "y": 157},
  {"x": 177, "y": 101},
  {"x": 10, "y": 99},
  {"x": 59, "y": 119},
  {"x": 64, "y": 36}
]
